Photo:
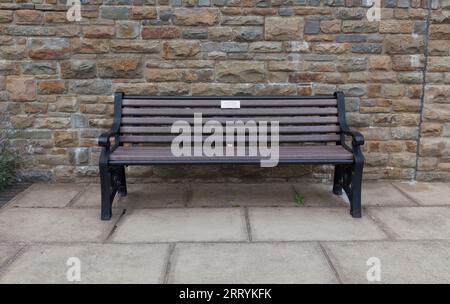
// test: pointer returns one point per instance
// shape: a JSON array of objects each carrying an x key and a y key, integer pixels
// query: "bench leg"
[
  {"x": 106, "y": 193},
  {"x": 122, "y": 187},
  {"x": 338, "y": 175},
  {"x": 355, "y": 198}
]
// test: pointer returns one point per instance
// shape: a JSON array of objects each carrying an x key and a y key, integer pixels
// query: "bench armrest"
[
  {"x": 357, "y": 142},
  {"x": 104, "y": 139},
  {"x": 357, "y": 137}
]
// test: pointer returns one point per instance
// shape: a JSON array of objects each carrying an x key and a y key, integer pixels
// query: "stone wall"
[{"x": 57, "y": 77}]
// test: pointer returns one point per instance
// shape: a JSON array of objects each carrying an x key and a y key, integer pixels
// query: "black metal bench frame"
[{"x": 347, "y": 176}]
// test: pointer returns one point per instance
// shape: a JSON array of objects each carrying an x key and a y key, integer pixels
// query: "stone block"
[
  {"x": 240, "y": 71},
  {"x": 49, "y": 48},
  {"x": 195, "y": 16},
  {"x": 21, "y": 88},
  {"x": 123, "y": 67},
  {"x": 283, "y": 28},
  {"x": 180, "y": 49}
]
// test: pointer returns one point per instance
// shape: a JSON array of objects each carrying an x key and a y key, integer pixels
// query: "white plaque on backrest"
[{"x": 230, "y": 104}]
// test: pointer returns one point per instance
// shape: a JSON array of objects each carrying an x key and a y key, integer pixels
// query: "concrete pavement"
[{"x": 227, "y": 233}]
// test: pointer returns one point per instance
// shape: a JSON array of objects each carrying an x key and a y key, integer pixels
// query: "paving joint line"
[
  {"x": 74, "y": 199},
  {"x": 227, "y": 207},
  {"x": 17, "y": 197},
  {"x": 168, "y": 264},
  {"x": 330, "y": 263},
  {"x": 223, "y": 206},
  {"x": 10, "y": 193},
  {"x": 294, "y": 189},
  {"x": 12, "y": 259},
  {"x": 405, "y": 194},
  {"x": 114, "y": 228},
  {"x": 240, "y": 206},
  {"x": 248, "y": 225},
  {"x": 390, "y": 234},
  {"x": 188, "y": 196},
  {"x": 78, "y": 243}
]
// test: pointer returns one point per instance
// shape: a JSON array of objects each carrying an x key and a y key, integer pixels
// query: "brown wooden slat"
[
  {"x": 164, "y": 153},
  {"x": 282, "y": 129},
  {"x": 282, "y": 138},
  {"x": 216, "y": 103},
  {"x": 156, "y": 151},
  {"x": 204, "y": 158},
  {"x": 281, "y": 120},
  {"x": 283, "y": 153},
  {"x": 228, "y": 112},
  {"x": 153, "y": 156},
  {"x": 315, "y": 148}
]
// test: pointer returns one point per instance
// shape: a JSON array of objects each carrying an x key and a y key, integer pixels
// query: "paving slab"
[
  {"x": 48, "y": 195},
  {"x": 299, "y": 224},
  {"x": 181, "y": 224},
  {"x": 264, "y": 194},
  {"x": 54, "y": 225},
  {"x": 7, "y": 251},
  {"x": 427, "y": 193},
  {"x": 400, "y": 262},
  {"x": 151, "y": 195},
  {"x": 104, "y": 263},
  {"x": 90, "y": 197},
  {"x": 415, "y": 222},
  {"x": 383, "y": 194},
  {"x": 319, "y": 195},
  {"x": 250, "y": 263}
]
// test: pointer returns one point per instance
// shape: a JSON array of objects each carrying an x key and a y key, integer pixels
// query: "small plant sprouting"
[
  {"x": 8, "y": 158},
  {"x": 299, "y": 199},
  {"x": 7, "y": 169}
]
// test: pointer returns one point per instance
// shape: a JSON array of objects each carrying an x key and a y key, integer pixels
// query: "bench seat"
[{"x": 287, "y": 154}]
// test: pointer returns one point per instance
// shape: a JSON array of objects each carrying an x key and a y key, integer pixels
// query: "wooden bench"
[{"x": 312, "y": 130}]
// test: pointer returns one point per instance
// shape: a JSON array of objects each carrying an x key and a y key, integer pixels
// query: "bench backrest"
[{"x": 304, "y": 120}]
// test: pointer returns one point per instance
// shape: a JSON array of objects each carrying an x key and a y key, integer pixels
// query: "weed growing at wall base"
[{"x": 8, "y": 160}]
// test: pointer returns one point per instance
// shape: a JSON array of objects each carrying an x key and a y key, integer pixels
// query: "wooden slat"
[
  {"x": 281, "y": 120},
  {"x": 282, "y": 129},
  {"x": 282, "y": 138},
  {"x": 311, "y": 153},
  {"x": 285, "y": 150},
  {"x": 229, "y": 112},
  {"x": 301, "y": 152},
  {"x": 216, "y": 102},
  {"x": 315, "y": 148},
  {"x": 242, "y": 97}
]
